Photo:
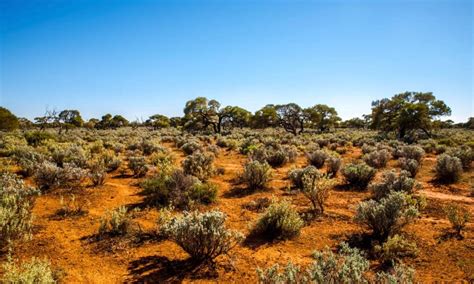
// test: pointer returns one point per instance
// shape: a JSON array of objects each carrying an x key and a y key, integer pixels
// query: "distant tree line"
[{"x": 401, "y": 114}]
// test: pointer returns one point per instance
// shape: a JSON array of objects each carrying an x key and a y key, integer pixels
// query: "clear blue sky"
[{"x": 138, "y": 58}]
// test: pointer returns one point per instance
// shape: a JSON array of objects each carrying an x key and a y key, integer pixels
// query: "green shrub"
[
  {"x": 202, "y": 235},
  {"x": 412, "y": 152},
  {"x": 36, "y": 138},
  {"x": 256, "y": 174},
  {"x": 291, "y": 274},
  {"x": 358, "y": 175},
  {"x": 457, "y": 216},
  {"x": 277, "y": 158},
  {"x": 16, "y": 203},
  {"x": 388, "y": 215},
  {"x": 199, "y": 165},
  {"x": 49, "y": 176},
  {"x": 463, "y": 153},
  {"x": 448, "y": 169},
  {"x": 377, "y": 159},
  {"x": 204, "y": 193},
  {"x": 409, "y": 165},
  {"x": 138, "y": 166},
  {"x": 316, "y": 189},
  {"x": 191, "y": 147},
  {"x": 400, "y": 274},
  {"x": 296, "y": 175},
  {"x": 391, "y": 182},
  {"x": 97, "y": 173},
  {"x": 333, "y": 165},
  {"x": 279, "y": 221},
  {"x": 317, "y": 158},
  {"x": 395, "y": 248},
  {"x": 115, "y": 223},
  {"x": 33, "y": 271}
]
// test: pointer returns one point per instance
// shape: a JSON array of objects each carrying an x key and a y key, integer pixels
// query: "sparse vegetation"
[
  {"x": 256, "y": 175},
  {"x": 358, "y": 175}
]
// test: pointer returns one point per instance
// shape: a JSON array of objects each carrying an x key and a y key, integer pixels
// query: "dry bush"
[
  {"x": 377, "y": 159},
  {"x": 199, "y": 165},
  {"x": 393, "y": 182},
  {"x": 317, "y": 158},
  {"x": 138, "y": 166},
  {"x": 115, "y": 223},
  {"x": 33, "y": 271},
  {"x": 448, "y": 169},
  {"x": 256, "y": 174},
  {"x": 457, "y": 216},
  {"x": 409, "y": 165},
  {"x": 358, "y": 175}
]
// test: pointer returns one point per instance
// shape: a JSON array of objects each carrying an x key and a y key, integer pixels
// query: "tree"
[
  {"x": 407, "y": 112},
  {"x": 158, "y": 121},
  {"x": 469, "y": 124},
  {"x": 354, "y": 123},
  {"x": 291, "y": 117},
  {"x": 322, "y": 117},
  {"x": 176, "y": 122},
  {"x": 8, "y": 121},
  {"x": 68, "y": 119},
  {"x": 109, "y": 121},
  {"x": 265, "y": 117}
]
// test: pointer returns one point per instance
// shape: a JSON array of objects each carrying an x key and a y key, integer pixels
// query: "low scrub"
[
  {"x": 33, "y": 271},
  {"x": 49, "y": 176},
  {"x": 279, "y": 221},
  {"x": 394, "y": 249},
  {"x": 199, "y": 165},
  {"x": 409, "y": 165},
  {"x": 316, "y": 189},
  {"x": 458, "y": 217},
  {"x": 393, "y": 182},
  {"x": 358, "y": 175},
  {"x": 465, "y": 154},
  {"x": 333, "y": 165},
  {"x": 448, "y": 169},
  {"x": 317, "y": 158},
  {"x": 203, "y": 236},
  {"x": 377, "y": 159},
  {"x": 256, "y": 175},
  {"x": 138, "y": 166},
  {"x": 115, "y": 223}
]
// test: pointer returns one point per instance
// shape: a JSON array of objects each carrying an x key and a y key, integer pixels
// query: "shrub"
[
  {"x": 316, "y": 189},
  {"x": 317, "y": 158},
  {"x": 391, "y": 182},
  {"x": 115, "y": 223},
  {"x": 377, "y": 159},
  {"x": 279, "y": 221},
  {"x": 457, "y": 216},
  {"x": 202, "y": 235},
  {"x": 296, "y": 175},
  {"x": 138, "y": 166},
  {"x": 358, "y": 175},
  {"x": 33, "y": 271},
  {"x": 348, "y": 266},
  {"x": 204, "y": 193},
  {"x": 191, "y": 147},
  {"x": 277, "y": 158},
  {"x": 111, "y": 162},
  {"x": 290, "y": 274},
  {"x": 199, "y": 165},
  {"x": 50, "y": 176},
  {"x": 256, "y": 174},
  {"x": 463, "y": 153},
  {"x": 448, "y": 169},
  {"x": 16, "y": 202},
  {"x": 97, "y": 173},
  {"x": 412, "y": 152},
  {"x": 388, "y": 215},
  {"x": 258, "y": 204},
  {"x": 395, "y": 248},
  {"x": 400, "y": 274},
  {"x": 409, "y": 165},
  {"x": 36, "y": 138},
  {"x": 333, "y": 165}
]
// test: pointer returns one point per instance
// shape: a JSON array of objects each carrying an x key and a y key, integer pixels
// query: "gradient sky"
[{"x": 138, "y": 58}]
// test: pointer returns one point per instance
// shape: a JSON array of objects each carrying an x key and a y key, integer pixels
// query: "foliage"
[
  {"x": 8, "y": 121},
  {"x": 138, "y": 166},
  {"x": 377, "y": 159},
  {"x": 448, "y": 169},
  {"x": 202, "y": 235},
  {"x": 317, "y": 158},
  {"x": 199, "y": 165},
  {"x": 50, "y": 176},
  {"x": 333, "y": 165},
  {"x": 409, "y": 165},
  {"x": 316, "y": 189},
  {"x": 256, "y": 174},
  {"x": 395, "y": 248},
  {"x": 391, "y": 182},
  {"x": 33, "y": 271},
  {"x": 358, "y": 175},
  {"x": 279, "y": 221},
  {"x": 115, "y": 223},
  {"x": 463, "y": 153},
  {"x": 458, "y": 217}
]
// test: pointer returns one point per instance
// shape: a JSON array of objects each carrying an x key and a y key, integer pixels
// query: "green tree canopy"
[{"x": 8, "y": 121}]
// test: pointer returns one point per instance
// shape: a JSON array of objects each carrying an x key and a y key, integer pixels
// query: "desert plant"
[
  {"x": 33, "y": 271},
  {"x": 190, "y": 147},
  {"x": 69, "y": 207},
  {"x": 277, "y": 158},
  {"x": 399, "y": 274},
  {"x": 97, "y": 173},
  {"x": 279, "y": 221},
  {"x": 409, "y": 165},
  {"x": 316, "y": 189},
  {"x": 377, "y": 159},
  {"x": 115, "y": 223},
  {"x": 204, "y": 193},
  {"x": 358, "y": 175},
  {"x": 202, "y": 235},
  {"x": 395, "y": 248},
  {"x": 448, "y": 169},
  {"x": 296, "y": 175},
  {"x": 16, "y": 202},
  {"x": 256, "y": 174},
  {"x": 333, "y": 165},
  {"x": 138, "y": 166},
  {"x": 50, "y": 176},
  {"x": 317, "y": 158},
  {"x": 391, "y": 182},
  {"x": 388, "y": 215},
  {"x": 291, "y": 274},
  {"x": 199, "y": 165},
  {"x": 464, "y": 153},
  {"x": 412, "y": 152},
  {"x": 457, "y": 216},
  {"x": 347, "y": 266}
]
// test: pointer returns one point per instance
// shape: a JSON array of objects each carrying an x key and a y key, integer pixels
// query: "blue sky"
[{"x": 138, "y": 58}]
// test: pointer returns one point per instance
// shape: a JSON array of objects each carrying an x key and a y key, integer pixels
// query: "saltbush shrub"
[
  {"x": 256, "y": 174},
  {"x": 296, "y": 175},
  {"x": 448, "y": 169},
  {"x": 457, "y": 216},
  {"x": 400, "y": 274},
  {"x": 191, "y": 147},
  {"x": 138, "y": 166},
  {"x": 463, "y": 153},
  {"x": 358, "y": 175},
  {"x": 34, "y": 271},
  {"x": 377, "y": 159},
  {"x": 395, "y": 248},
  {"x": 393, "y": 182},
  {"x": 49, "y": 176},
  {"x": 97, "y": 172},
  {"x": 388, "y": 215},
  {"x": 279, "y": 221},
  {"x": 317, "y": 158},
  {"x": 203, "y": 236},
  {"x": 316, "y": 189},
  {"x": 409, "y": 165},
  {"x": 199, "y": 165},
  {"x": 333, "y": 165},
  {"x": 412, "y": 152},
  {"x": 115, "y": 223},
  {"x": 16, "y": 202}
]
